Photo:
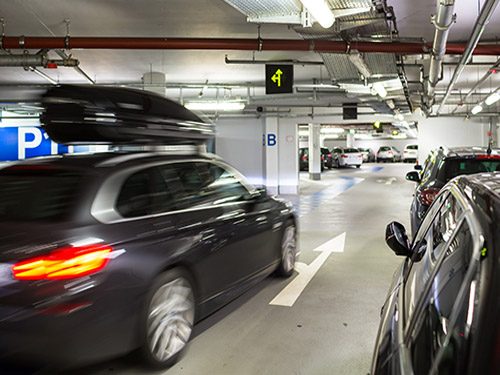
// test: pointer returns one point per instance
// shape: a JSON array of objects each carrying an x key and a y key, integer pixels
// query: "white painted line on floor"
[{"x": 294, "y": 289}]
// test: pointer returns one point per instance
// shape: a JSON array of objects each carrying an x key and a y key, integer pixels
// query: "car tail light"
[
  {"x": 65, "y": 263},
  {"x": 304, "y": 157},
  {"x": 344, "y": 156},
  {"x": 329, "y": 155},
  {"x": 488, "y": 157},
  {"x": 322, "y": 157},
  {"x": 428, "y": 195}
]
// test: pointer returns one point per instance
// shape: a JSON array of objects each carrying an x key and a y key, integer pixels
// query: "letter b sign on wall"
[{"x": 269, "y": 139}]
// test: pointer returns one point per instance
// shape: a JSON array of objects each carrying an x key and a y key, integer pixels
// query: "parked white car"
[
  {"x": 388, "y": 154},
  {"x": 347, "y": 157},
  {"x": 410, "y": 153}
]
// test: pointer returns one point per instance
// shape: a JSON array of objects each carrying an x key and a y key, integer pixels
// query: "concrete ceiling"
[{"x": 212, "y": 18}]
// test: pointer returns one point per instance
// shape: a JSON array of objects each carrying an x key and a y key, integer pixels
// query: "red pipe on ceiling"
[{"x": 317, "y": 45}]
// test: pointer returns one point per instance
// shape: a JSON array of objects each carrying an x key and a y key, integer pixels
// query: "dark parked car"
[
  {"x": 327, "y": 157},
  {"x": 104, "y": 253},
  {"x": 440, "y": 167},
  {"x": 304, "y": 159},
  {"x": 441, "y": 312}
]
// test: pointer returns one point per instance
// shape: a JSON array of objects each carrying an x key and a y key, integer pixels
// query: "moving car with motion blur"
[
  {"x": 440, "y": 167},
  {"x": 410, "y": 154},
  {"x": 368, "y": 155},
  {"x": 388, "y": 154},
  {"x": 347, "y": 157},
  {"x": 441, "y": 313},
  {"x": 105, "y": 253}
]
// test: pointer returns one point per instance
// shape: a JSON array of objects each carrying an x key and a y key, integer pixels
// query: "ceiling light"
[
  {"x": 399, "y": 117},
  {"x": 390, "y": 104},
  {"x": 215, "y": 106},
  {"x": 332, "y": 130},
  {"x": 320, "y": 11},
  {"x": 379, "y": 89},
  {"x": 493, "y": 98},
  {"x": 478, "y": 108}
]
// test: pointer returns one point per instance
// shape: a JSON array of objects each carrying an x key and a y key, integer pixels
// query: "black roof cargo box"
[{"x": 82, "y": 115}]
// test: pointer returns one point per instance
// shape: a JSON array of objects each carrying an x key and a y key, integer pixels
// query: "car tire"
[
  {"x": 358, "y": 166},
  {"x": 170, "y": 310},
  {"x": 288, "y": 251}
]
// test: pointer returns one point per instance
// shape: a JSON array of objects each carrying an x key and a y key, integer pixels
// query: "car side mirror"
[
  {"x": 413, "y": 176},
  {"x": 417, "y": 167},
  {"x": 257, "y": 194},
  {"x": 397, "y": 239}
]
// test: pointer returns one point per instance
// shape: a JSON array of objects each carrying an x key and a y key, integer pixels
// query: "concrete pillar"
[
  {"x": 288, "y": 145},
  {"x": 155, "y": 82},
  {"x": 314, "y": 152},
  {"x": 350, "y": 140},
  {"x": 271, "y": 155}
]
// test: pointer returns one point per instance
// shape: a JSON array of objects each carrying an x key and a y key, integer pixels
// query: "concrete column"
[
  {"x": 155, "y": 82},
  {"x": 271, "y": 155},
  {"x": 350, "y": 140},
  {"x": 314, "y": 152},
  {"x": 288, "y": 145}
]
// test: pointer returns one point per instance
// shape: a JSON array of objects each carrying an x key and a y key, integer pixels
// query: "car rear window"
[
  {"x": 32, "y": 194},
  {"x": 455, "y": 167},
  {"x": 384, "y": 148},
  {"x": 350, "y": 150},
  {"x": 325, "y": 150},
  {"x": 412, "y": 147}
]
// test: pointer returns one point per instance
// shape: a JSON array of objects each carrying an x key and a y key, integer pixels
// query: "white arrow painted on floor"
[
  {"x": 293, "y": 290},
  {"x": 391, "y": 180}
]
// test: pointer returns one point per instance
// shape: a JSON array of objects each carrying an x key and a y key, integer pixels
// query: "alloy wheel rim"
[
  {"x": 170, "y": 319},
  {"x": 288, "y": 249}
]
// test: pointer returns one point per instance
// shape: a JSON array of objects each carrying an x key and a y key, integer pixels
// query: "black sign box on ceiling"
[
  {"x": 350, "y": 111},
  {"x": 279, "y": 79}
]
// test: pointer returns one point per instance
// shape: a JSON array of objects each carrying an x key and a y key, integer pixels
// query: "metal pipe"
[
  {"x": 486, "y": 12},
  {"x": 480, "y": 82},
  {"x": 26, "y": 60},
  {"x": 442, "y": 22},
  {"x": 317, "y": 45},
  {"x": 42, "y": 74},
  {"x": 261, "y": 62},
  {"x": 64, "y": 56}
]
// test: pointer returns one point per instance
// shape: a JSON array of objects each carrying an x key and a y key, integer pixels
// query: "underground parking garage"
[{"x": 249, "y": 187}]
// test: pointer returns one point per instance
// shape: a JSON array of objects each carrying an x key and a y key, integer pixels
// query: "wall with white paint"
[
  {"x": 239, "y": 142},
  {"x": 451, "y": 132}
]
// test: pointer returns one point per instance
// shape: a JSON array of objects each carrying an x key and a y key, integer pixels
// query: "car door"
[{"x": 437, "y": 292}]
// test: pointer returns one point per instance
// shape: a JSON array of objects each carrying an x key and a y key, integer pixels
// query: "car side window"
[
  {"x": 433, "y": 325},
  {"x": 143, "y": 193},
  {"x": 202, "y": 183}
]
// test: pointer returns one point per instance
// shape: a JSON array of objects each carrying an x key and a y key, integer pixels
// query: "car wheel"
[
  {"x": 358, "y": 166},
  {"x": 288, "y": 251},
  {"x": 168, "y": 320}
]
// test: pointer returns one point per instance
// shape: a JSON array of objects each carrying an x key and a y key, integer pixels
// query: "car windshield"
[
  {"x": 384, "y": 148},
  {"x": 350, "y": 150},
  {"x": 36, "y": 194},
  {"x": 412, "y": 147},
  {"x": 454, "y": 167}
]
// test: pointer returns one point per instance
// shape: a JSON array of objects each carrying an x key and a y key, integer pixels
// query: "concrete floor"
[{"x": 332, "y": 326}]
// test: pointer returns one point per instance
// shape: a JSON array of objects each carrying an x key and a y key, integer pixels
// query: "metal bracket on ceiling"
[
  {"x": 445, "y": 27},
  {"x": 67, "y": 21},
  {"x": 305, "y": 18}
]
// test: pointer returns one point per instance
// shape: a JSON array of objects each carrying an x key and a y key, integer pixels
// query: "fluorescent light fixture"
[
  {"x": 380, "y": 89},
  {"x": 399, "y": 117},
  {"x": 390, "y": 103},
  {"x": 478, "y": 108},
  {"x": 332, "y": 130},
  {"x": 321, "y": 12},
  {"x": 215, "y": 106},
  {"x": 493, "y": 98}
]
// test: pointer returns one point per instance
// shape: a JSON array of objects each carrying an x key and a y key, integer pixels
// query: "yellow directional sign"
[
  {"x": 276, "y": 78},
  {"x": 279, "y": 78}
]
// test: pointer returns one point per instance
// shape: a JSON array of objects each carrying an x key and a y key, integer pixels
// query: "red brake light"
[
  {"x": 428, "y": 195},
  {"x": 329, "y": 155},
  {"x": 304, "y": 157},
  {"x": 488, "y": 157},
  {"x": 65, "y": 263},
  {"x": 344, "y": 156}
]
